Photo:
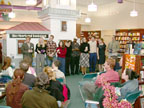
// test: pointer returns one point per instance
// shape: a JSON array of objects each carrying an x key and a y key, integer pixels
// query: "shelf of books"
[
  {"x": 136, "y": 63},
  {"x": 123, "y": 36},
  {"x": 87, "y": 34}
]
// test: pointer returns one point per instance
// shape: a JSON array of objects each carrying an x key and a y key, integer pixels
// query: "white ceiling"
[{"x": 105, "y": 8}]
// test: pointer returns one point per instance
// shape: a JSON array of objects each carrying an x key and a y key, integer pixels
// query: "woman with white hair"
[{"x": 40, "y": 57}]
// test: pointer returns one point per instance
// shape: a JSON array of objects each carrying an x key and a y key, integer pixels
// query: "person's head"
[
  {"x": 7, "y": 63},
  {"x": 56, "y": 64},
  {"x": 109, "y": 64},
  {"x": 61, "y": 44},
  {"x": 101, "y": 41},
  {"x": 24, "y": 66},
  {"x": 48, "y": 70},
  {"x": 28, "y": 60},
  {"x": 42, "y": 81},
  {"x": 41, "y": 40},
  {"x": 51, "y": 37},
  {"x": 84, "y": 40},
  {"x": 75, "y": 40},
  {"x": 92, "y": 38},
  {"x": 17, "y": 80},
  {"x": 129, "y": 74},
  {"x": 28, "y": 38}
]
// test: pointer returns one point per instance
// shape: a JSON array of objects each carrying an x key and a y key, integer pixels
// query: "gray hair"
[{"x": 42, "y": 80}]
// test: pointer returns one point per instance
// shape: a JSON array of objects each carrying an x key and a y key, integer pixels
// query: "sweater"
[
  {"x": 62, "y": 53},
  {"x": 38, "y": 98},
  {"x": 83, "y": 46}
]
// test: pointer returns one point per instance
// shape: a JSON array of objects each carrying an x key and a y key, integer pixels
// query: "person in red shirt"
[
  {"x": 61, "y": 52},
  {"x": 110, "y": 75}
]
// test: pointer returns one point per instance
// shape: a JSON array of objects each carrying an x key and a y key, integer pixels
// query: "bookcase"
[
  {"x": 87, "y": 34},
  {"x": 123, "y": 35},
  {"x": 136, "y": 63}
]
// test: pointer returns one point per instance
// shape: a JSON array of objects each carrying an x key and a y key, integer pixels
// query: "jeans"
[
  {"x": 62, "y": 66},
  {"x": 92, "y": 62},
  {"x": 49, "y": 61}
]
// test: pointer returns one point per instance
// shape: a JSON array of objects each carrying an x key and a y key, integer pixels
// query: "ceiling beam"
[{"x": 21, "y": 7}]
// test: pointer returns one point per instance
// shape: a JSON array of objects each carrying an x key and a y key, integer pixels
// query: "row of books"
[
  {"x": 128, "y": 34},
  {"x": 127, "y": 38}
]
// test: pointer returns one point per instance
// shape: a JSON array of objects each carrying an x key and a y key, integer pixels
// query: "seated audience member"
[
  {"x": 31, "y": 70},
  {"x": 56, "y": 87},
  {"x": 29, "y": 79},
  {"x": 59, "y": 91},
  {"x": 59, "y": 74},
  {"x": 16, "y": 89},
  {"x": 110, "y": 75},
  {"x": 131, "y": 84},
  {"x": 6, "y": 68},
  {"x": 39, "y": 97}
]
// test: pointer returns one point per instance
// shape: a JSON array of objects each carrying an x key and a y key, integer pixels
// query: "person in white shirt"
[
  {"x": 6, "y": 68},
  {"x": 59, "y": 74},
  {"x": 93, "y": 54}
]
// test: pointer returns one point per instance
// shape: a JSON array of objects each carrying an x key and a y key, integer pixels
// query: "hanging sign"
[{"x": 31, "y": 35}]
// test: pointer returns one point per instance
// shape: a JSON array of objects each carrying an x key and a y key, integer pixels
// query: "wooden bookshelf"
[
  {"x": 87, "y": 34},
  {"x": 123, "y": 35}
]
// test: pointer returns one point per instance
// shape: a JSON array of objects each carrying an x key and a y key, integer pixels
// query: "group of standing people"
[{"x": 71, "y": 54}]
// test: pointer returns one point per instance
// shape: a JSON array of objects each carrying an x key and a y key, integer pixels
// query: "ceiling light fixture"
[
  {"x": 87, "y": 20},
  {"x": 31, "y": 2},
  {"x": 134, "y": 13},
  {"x": 92, "y": 7}
]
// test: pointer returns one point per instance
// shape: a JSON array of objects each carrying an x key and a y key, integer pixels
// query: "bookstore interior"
[{"x": 69, "y": 19}]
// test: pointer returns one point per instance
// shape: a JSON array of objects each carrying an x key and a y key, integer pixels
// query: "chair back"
[
  {"x": 61, "y": 80},
  {"x": 133, "y": 96}
]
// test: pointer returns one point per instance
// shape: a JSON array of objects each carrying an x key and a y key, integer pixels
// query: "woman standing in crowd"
[
  {"x": 84, "y": 57},
  {"x": 39, "y": 97},
  {"x": 102, "y": 57},
  {"x": 68, "y": 56},
  {"x": 6, "y": 68},
  {"x": 61, "y": 52},
  {"x": 40, "y": 57},
  {"x": 15, "y": 90}
]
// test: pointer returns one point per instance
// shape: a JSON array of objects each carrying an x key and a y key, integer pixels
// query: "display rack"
[
  {"x": 136, "y": 63},
  {"x": 87, "y": 34},
  {"x": 123, "y": 35}
]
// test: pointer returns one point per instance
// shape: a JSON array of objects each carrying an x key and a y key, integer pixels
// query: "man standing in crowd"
[
  {"x": 113, "y": 47},
  {"x": 75, "y": 57},
  {"x": 51, "y": 51},
  {"x": 27, "y": 48},
  {"x": 93, "y": 54}
]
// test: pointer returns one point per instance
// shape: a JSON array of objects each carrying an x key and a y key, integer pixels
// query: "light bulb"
[
  {"x": 31, "y": 2},
  {"x": 133, "y": 13},
  {"x": 11, "y": 15},
  {"x": 92, "y": 7},
  {"x": 87, "y": 20}
]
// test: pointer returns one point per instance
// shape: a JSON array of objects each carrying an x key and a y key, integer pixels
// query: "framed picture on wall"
[
  {"x": 63, "y": 26},
  {"x": 19, "y": 45}
]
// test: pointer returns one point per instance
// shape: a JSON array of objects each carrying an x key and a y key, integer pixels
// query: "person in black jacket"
[
  {"x": 84, "y": 56},
  {"x": 68, "y": 57},
  {"x": 40, "y": 57}
]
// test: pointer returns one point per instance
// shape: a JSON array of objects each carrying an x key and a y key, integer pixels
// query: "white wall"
[{"x": 55, "y": 26}]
